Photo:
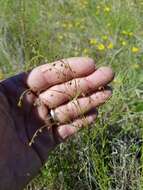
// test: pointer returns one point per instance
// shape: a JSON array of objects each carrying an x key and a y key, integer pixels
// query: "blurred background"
[{"x": 108, "y": 156}]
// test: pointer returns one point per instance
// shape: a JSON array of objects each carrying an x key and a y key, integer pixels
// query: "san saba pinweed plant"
[
  {"x": 108, "y": 155},
  {"x": 72, "y": 97}
]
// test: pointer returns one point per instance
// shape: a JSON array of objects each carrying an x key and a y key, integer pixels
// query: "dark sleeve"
[{"x": 19, "y": 163}]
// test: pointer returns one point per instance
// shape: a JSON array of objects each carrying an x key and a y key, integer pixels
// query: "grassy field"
[{"x": 109, "y": 155}]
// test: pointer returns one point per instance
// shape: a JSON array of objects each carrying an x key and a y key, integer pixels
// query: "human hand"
[{"x": 73, "y": 88}]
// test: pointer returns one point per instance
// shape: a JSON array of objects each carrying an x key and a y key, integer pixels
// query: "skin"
[
  {"x": 71, "y": 87},
  {"x": 81, "y": 75}
]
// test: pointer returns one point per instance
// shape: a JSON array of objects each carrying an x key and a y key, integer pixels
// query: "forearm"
[{"x": 18, "y": 162}]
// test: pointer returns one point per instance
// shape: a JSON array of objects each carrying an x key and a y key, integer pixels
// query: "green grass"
[{"x": 107, "y": 156}]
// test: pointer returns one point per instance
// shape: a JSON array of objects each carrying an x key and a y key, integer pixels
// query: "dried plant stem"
[
  {"x": 49, "y": 123},
  {"x": 22, "y": 96},
  {"x": 36, "y": 134}
]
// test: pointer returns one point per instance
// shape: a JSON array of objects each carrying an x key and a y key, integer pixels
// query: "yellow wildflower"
[
  {"x": 124, "y": 43},
  {"x": 110, "y": 45},
  {"x": 76, "y": 53},
  {"x": 64, "y": 25},
  {"x": 93, "y": 41},
  {"x": 82, "y": 26},
  {"x": 60, "y": 37},
  {"x": 98, "y": 7},
  {"x": 97, "y": 13},
  {"x": 101, "y": 47},
  {"x": 135, "y": 66},
  {"x": 83, "y": 4},
  {"x": 135, "y": 49},
  {"x": 117, "y": 81},
  {"x": 107, "y": 9},
  {"x": 77, "y": 23},
  {"x": 124, "y": 32},
  {"x": 130, "y": 33},
  {"x": 108, "y": 24},
  {"x": 85, "y": 51},
  {"x": 104, "y": 37},
  {"x": 70, "y": 25},
  {"x": 67, "y": 25}
]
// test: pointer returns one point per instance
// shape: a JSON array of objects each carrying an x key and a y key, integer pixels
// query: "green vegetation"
[{"x": 109, "y": 155}]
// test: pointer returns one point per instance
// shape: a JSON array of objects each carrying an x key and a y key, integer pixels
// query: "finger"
[
  {"x": 59, "y": 94},
  {"x": 44, "y": 76},
  {"x": 67, "y": 130},
  {"x": 78, "y": 107}
]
